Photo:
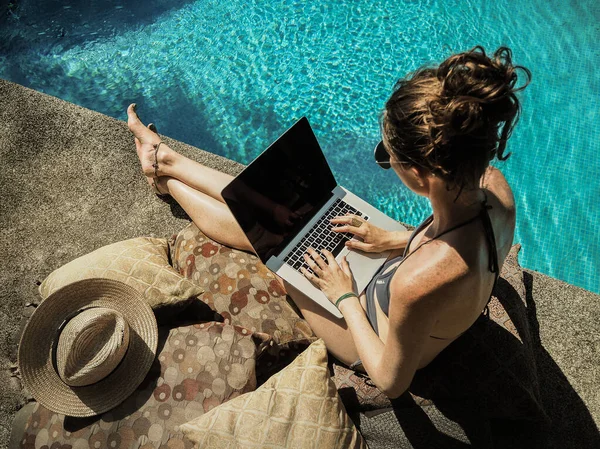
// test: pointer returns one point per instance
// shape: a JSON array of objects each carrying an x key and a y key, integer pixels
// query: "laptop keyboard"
[{"x": 321, "y": 237}]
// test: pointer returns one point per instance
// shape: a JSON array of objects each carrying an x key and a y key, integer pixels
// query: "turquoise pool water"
[{"x": 230, "y": 76}]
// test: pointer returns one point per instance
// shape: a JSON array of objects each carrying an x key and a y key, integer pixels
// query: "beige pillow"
[
  {"x": 297, "y": 407},
  {"x": 141, "y": 262}
]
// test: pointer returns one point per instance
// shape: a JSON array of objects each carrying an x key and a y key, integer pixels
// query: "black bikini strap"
[
  {"x": 418, "y": 229},
  {"x": 439, "y": 235},
  {"x": 491, "y": 238},
  {"x": 460, "y": 225},
  {"x": 489, "y": 232}
]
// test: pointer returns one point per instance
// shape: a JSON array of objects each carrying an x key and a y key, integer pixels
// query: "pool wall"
[{"x": 241, "y": 72}]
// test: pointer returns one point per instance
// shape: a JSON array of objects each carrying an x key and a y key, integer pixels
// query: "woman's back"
[{"x": 460, "y": 261}]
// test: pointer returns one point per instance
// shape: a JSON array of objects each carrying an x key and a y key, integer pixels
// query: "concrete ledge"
[
  {"x": 564, "y": 321},
  {"x": 71, "y": 183}
]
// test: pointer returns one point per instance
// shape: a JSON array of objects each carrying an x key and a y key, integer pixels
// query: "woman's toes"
[
  {"x": 138, "y": 129},
  {"x": 132, "y": 117},
  {"x": 134, "y": 123}
]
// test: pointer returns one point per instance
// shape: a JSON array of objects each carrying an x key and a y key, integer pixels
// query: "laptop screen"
[{"x": 281, "y": 190}]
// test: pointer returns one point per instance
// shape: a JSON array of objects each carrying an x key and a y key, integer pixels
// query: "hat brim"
[{"x": 41, "y": 332}]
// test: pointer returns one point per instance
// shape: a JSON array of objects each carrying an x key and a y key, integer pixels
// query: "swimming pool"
[{"x": 229, "y": 77}]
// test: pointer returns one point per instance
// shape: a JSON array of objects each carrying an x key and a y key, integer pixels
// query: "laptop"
[{"x": 283, "y": 202}]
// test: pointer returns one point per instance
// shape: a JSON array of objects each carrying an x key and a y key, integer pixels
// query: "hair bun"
[
  {"x": 455, "y": 118},
  {"x": 476, "y": 90}
]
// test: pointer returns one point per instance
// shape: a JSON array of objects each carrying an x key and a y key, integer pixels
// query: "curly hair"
[{"x": 454, "y": 119}]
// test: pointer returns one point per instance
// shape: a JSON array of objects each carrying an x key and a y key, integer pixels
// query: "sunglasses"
[{"x": 382, "y": 157}]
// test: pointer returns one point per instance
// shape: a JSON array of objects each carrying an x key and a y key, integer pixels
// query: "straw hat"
[{"x": 87, "y": 347}]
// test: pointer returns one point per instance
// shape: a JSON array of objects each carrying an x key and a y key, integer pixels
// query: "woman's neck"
[{"x": 446, "y": 211}]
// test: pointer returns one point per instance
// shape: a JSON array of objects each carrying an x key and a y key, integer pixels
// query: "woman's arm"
[
  {"x": 416, "y": 297},
  {"x": 391, "y": 365},
  {"x": 372, "y": 238}
]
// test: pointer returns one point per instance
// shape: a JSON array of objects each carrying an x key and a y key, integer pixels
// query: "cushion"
[
  {"x": 197, "y": 368},
  {"x": 297, "y": 407},
  {"x": 142, "y": 262},
  {"x": 356, "y": 389},
  {"x": 244, "y": 292}
]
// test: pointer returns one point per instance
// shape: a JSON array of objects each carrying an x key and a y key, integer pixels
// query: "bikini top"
[{"x": 380, "y": 283}]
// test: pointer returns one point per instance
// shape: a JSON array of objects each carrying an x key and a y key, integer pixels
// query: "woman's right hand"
[{"x": 372, "y": 238}]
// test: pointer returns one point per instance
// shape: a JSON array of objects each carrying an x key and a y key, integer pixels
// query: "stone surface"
[
  {"x": 564, "y": 321},
  {"x": 71, "y": 183}
]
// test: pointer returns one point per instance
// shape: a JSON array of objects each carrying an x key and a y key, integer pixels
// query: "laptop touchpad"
[{"x": 364, "y": 265}]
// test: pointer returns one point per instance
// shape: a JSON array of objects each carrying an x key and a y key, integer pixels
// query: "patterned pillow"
[
  {"x": 245, "y": 292},
  {"x": 357, "y": 390},
  {"x": 297, "y": 407},
  {"x": 198, "y": 368},
  {"x": 142, "y": 262}
]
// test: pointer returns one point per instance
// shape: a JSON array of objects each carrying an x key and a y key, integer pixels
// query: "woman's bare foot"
[
  {"x": 159, "y": 185},
  {"x": 146, "y": 141}
]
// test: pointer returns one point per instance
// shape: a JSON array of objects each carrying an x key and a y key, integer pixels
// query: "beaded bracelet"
[
  {"x": 344, "y": 296},
  {"x": 155, "y": 165}
]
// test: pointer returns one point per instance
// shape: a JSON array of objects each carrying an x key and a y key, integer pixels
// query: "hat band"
[{"x": 57, "y": 338}]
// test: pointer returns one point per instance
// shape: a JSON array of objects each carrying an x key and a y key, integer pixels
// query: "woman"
[{"x": 441, "y": 128}]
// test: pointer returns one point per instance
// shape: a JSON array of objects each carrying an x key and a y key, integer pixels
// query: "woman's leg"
[
  {"x": 211, "y": 216},
  {"x": 172, "y": 164},
  {"x": 215, "y": 221},
  {"x": 197, "y": 189}
]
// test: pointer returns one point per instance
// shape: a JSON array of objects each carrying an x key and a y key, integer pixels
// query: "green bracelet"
[{"x": 344, "y": 296}]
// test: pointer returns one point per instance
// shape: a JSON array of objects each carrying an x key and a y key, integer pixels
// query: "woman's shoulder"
[
  {"x": 503, "y": 211},
  {"x": 498, "y": 191},
  {"x": 445, "y": 266},
  {"x": 434, "y": 268}
]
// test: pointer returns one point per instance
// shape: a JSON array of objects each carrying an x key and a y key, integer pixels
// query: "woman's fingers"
[
  {"x": 361, "y": 232},
  {"x": 351, "y": 229},
  {"x": 356, "y": 244},
  {"x": 316, "y": 262},
  {"x": 346, "y": 267},
  {"x": 349, "y": 219},
  {"x": 311, "y": 277},
  {"x": 316, "y": 259},
  {"x": 349, "y": 223},
  {"x": 342, "y": 228},
  {"x": 329, "y": 256},
  {"x": 312, "y": 264}
]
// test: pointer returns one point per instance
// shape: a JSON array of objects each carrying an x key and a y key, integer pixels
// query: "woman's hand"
[
  {"x": 373, "y": 239},
  {"x": 332, "y": 279}
]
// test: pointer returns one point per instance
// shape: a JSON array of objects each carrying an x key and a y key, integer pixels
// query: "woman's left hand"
[{"x": 333, "y": 280}]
